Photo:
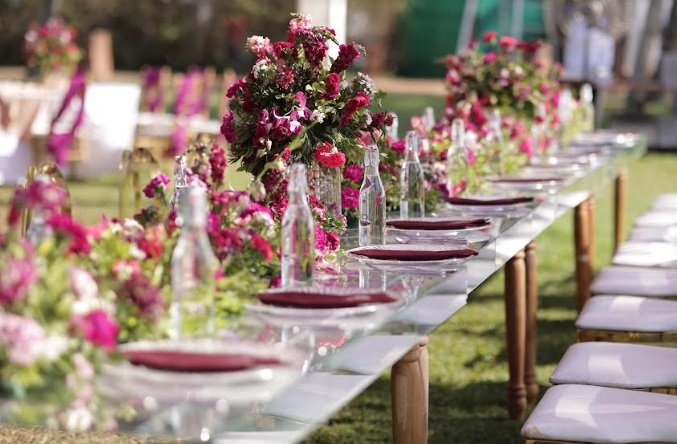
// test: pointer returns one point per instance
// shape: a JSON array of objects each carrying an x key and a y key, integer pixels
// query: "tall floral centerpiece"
[
  {"x": 51, "y": 48},
  {"x": 507, "y": 75},
  {"x": 298, "y": 105}
]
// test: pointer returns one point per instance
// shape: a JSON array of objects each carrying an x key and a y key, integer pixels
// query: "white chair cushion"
[
  {"x": 661, "y": 218},
  {"x": 646, "y": 254},
  {"x": 608, "y": 364},
  {"x": 628, "y": 313},
  {"x": 583, "y": 413},
  {"x": 640, "y": 281},
  {"x": 654, "y": 234},
  {"x": 665, "y": 202}
]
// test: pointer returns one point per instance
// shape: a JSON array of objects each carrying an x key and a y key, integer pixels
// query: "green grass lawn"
[{"x": 468, "y": 368}]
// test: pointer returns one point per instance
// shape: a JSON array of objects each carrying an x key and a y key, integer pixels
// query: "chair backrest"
[
  {"x": 68, "y": 118},
  {"x": 155, "y": 82}
]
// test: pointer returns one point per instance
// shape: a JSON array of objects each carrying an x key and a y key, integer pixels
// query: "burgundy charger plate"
[
  {"x": 525, "y": 179},
  {"x": 408, "y": 254},
  {"x": 438, "y": 223},
  {"x": 182, "y": 361},
  {"x": 324, "y": 297},
  {"x": 491, "y": 201}
]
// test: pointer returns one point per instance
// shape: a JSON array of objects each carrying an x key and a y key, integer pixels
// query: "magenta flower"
[
  {"x": 354, "y": 173},
  {"x": 63, "y": 225},
  {"x": 490, "y": 57},
  {"x": 144, "y": 295},
  {"x": 157, "y": 186},
  {"x": 350, "y": 198},
  {"x": 99, "y": 328},
  {"x": 489, "y": 36},
  {"x": 320, "y": 239},
  {"x": 260, "y": 243},
  {"x": 328, "y": 156},
  {"x": 285, "y": 77},
  {"x": 218, "y": 163},
  {"x": 359, "y": 101},
  {"x": 332, "y": 86},
  {"x": 347, "y": 55},
  {"x": 227, "y": 128},
  {"x": 398, "y": 146}
]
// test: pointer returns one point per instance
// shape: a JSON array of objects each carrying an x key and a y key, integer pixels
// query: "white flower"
[
  {"x": 260, "y": 67},
  {"x": 317, "y": 116},
  {"x": 366, "y": 82},
  {"x": 519, "y": 72},
  {"x": 78, "y": 419},
  {"x": 53, "y": 347},
  {"x": 368, "y": 119},
  {"x": 83, "y": 284}
]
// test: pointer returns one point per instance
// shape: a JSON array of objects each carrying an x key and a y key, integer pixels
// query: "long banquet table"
[{"x": 348, "y": 359}]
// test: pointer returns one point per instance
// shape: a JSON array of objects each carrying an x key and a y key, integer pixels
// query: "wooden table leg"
[
  {"x": 620, "y": 197},
  {"x": 409, "y": 396},
  {"x": 515, "y": 325},
  {"x": 530, "y": 379},
  {"x": 591, "y": 231},
  {"x": 582, "y": 234}
]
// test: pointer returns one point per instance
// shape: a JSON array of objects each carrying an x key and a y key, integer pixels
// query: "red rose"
[
  {"x": 227, "y": 127},
  {"x": 507, "y": 42},
  {"x": 331, "y": 87},
  {"x": 359, "y": 101},
  {"x": 328, "y": 156},
  {"x": 489, "y": 36}
]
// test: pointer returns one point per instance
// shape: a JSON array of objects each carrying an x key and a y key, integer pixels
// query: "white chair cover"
[
  {"x": 588, "y": 414},
  {"x": 646, "y": 254},
  {"x": 628, "y": 313},
  {"x": 640, "y": 281},
  {"x": 608, "y": 364}
]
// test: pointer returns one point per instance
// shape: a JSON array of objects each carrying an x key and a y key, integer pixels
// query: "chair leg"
[
  {"x": 530, "y": 379},
  {"x": 515, "y": 323},
  {"x": 409, "y": 396}
]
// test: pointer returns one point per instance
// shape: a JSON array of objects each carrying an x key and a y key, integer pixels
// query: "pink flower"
[
  {"x": 124, "y": 269},
  {"x": 490, "y": 57},
  {"x": 359, "y": 101},
  {"x": 332, "y": 86},
  {"x": 258, "y": 45},
  {"x": 157, "y": 186},
  {"x": 16, "y": 278},
  {"x": 298, "y": 24},
  {"x": 23, "y": 338},
  {"x": 470, "y": 157},
  {"x": 83, "y": 284},
  {"x": 544, "y": 88},
  {"x": 333, "y": 241},
  {"x": 526, "y": 146},
  {"x": 260, "y": 243},
  {"x": 239, "y": 85},
  {"x": 328, "y": 156},
  {"x": 350, "y": 198},
  {"x": 99, "y": 328},
  {"x": 314, "y": 48},
  {"x": 144, "y": 295},
  {"x": 354, "y": 173},
  {"x": 399, "y": 146},
  {"x": 65, "y": 226},
  {"x": 285, "y": 77},
  {"x": 218, "y": 163},
  {"x": 282, "y": 47},
  {"x": 507, "y": 42},
  {"x": 227, "y": 128},
  {"x": 489, "y": 36},
  {"x": 300, "y": 109},
  {"x": 347, "y": 55},
  {"x": 523, "y": 92},
  {"x": 320, "y": 239},
  {"x": 263, "y": 127}
]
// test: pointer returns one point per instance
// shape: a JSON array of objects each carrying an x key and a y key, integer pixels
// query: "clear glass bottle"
[
  {"x": 457, "y": 164},
  {"x": 372, "y": 201},
  {"x": 412, "y": 193},
  {"x": 394, "y": 129},
  {"x": 37, "y": 229},
  {"x": 193, "y": 269},
  {"x": 180, "y": 181},
  {"x": 298, "y": 232},
  {"x": 429, "y": 118},
  {"x": 588, "y": 105},
  {"x": 497, "y": 136}
]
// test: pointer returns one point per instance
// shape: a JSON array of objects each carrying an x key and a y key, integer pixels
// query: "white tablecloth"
[{"x": 111, "y": 111}]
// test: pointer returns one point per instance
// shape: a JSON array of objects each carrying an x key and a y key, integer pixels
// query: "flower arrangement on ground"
[{"x": 51, "y": 47}]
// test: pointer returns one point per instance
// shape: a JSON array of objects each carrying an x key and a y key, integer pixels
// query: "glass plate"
[
  {"x": 515, "y": 210},
  {"x": 442, "y": 264},
  {"x": 475, "y": 236},
  {"x": 124, "y": 381},
  {"x": 546, "y": 185}
]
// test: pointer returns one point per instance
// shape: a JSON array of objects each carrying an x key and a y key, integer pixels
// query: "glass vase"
[{"x": 325, "y": 185}]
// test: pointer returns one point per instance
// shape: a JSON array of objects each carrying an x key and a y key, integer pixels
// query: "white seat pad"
[
  {"x": 646, "y": 254},
  {"x": 583, "y": 413},
  {"x": 609, "y": 364},
  {"x": 640, "y": 281},
  {"x": 628, "y": 313},
  {"x": 654, "y": 234},
  {"x": 665, "y": 202},
  {"x": 661, "y": 218}
]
